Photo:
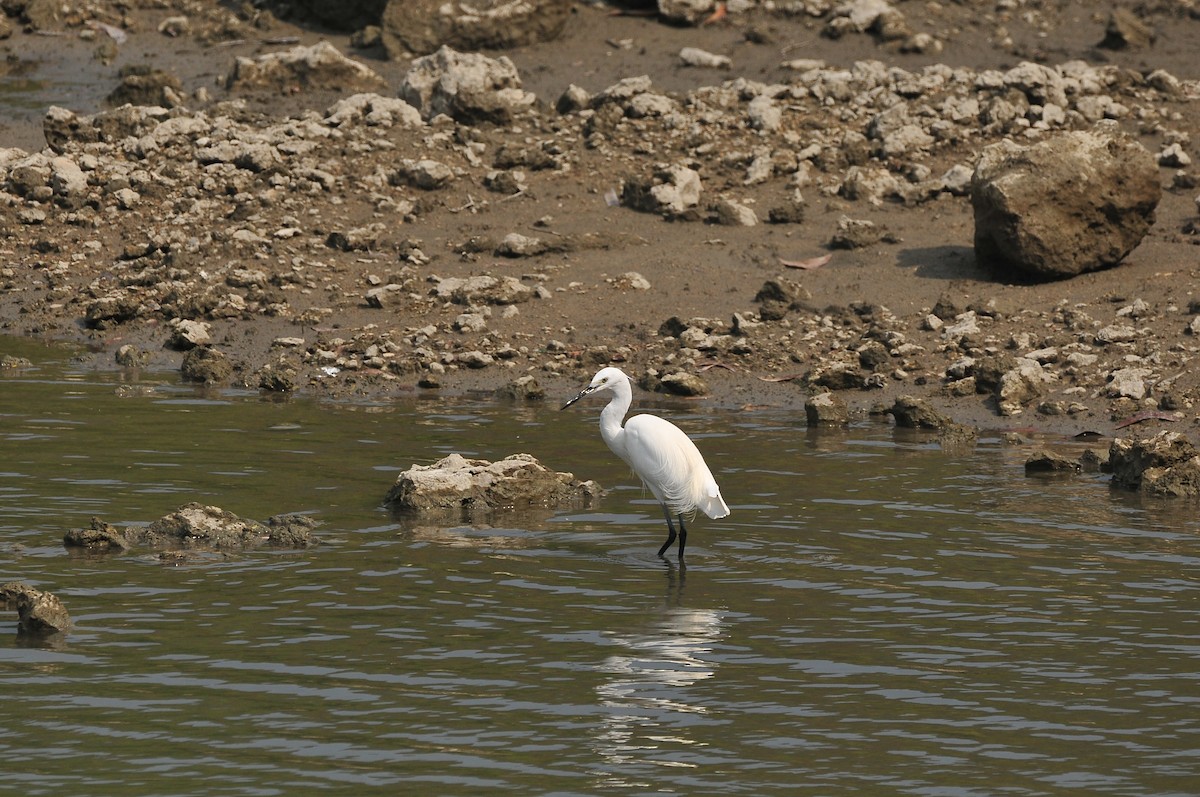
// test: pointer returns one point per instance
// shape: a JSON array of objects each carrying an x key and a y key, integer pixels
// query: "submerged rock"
[
  {"x": 514, "y": 482},
  {"x": 38, "y": 612},
  {"x": 196, "y": 525},
  {"x": 1045, "y": 461}
]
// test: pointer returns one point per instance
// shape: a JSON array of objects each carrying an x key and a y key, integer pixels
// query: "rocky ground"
[{"x": 783, "y": 213}]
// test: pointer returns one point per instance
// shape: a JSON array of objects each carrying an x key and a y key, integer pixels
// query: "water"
[{"x": 875, "y": 617}]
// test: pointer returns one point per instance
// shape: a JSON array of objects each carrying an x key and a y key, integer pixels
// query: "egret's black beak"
[{"x": 580, "y": 395}]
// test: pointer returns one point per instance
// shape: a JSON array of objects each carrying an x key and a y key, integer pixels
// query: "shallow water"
[{"x": 874, "y": 617}]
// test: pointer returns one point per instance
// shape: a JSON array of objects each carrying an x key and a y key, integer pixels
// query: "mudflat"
[{"x": 296, "y": 235}]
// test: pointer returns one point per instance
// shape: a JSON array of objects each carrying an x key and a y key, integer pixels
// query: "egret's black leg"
[
  {"x": 682, "y": 537},
  {"x": 670, "y": 532}
]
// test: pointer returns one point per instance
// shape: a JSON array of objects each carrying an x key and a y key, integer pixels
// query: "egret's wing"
[{"x": 669, "y": 463}]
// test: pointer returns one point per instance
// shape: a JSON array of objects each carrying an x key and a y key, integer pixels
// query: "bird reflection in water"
[{"x": 649, "y": 696}]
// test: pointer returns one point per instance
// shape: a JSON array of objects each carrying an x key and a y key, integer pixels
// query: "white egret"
[{"x": 663, "y": 457}]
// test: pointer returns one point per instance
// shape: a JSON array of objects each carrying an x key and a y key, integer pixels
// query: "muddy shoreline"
[{"x": 321, "y": 255}]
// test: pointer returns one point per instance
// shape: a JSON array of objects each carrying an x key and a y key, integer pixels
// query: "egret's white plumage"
[{"x": 663, "y": 457}]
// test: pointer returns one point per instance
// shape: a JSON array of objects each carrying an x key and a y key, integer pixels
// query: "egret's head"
[{"x": 605, "y": 379}]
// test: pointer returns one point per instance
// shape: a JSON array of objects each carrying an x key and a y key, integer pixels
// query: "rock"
[
  {"x": 915, "y": 413},
  {"x": 467, "y": 87},
  {"x": 1166, "y": 464},
  {"x": 39, "y": 613},
  {"x": 145, "y": 85},
  {"x": 207, "y": 366},
  {"x": 422, "y": 26},
  {"x": 517, "y": 245},
  {"x": 524, "y": 388},
  {"x": 426, "y": 174},
  {"x": 278, "y": 377},
  {"x": 854, "y": 234},
  {"x": 735, "y": 214},
  {"x": 68, "y": 182},
  {"x": 1045, "y": 461},
  {"x": 1071, "y": 203},
  {"x": 375, "y": 111},
  {"x": 681, "y": 383},
  {"x": 483, "y": 289},
  {"x": 670, "y": 191},
  {"x": 1128, "y": 382},
  {"x": 1125, "y": 31},
  {"x": 321, "y": 66},
  {"x": 1021, "y": 385},
  {"x": 196, "y": 525},
  {"x": 778, "y": 296},
  {"x": 826, "y": 409},
  {"x": 98, "y": 536},
  {"x": 685, "y": 12},
  {"x": 518, "y": 481},
  {"x": 694, "y": 56},
  {"x": 186, "y": 334}
]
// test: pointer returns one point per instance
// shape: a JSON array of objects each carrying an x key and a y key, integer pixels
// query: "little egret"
[{"x": 663, "y": 457}]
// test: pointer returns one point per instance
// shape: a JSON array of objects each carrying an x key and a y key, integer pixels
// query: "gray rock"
[
  {"x": 671, "y": 191},
  {"x": 186, "y": 333},
  {"x": 735, "y": 214},
  {"x": 422, "y": 26},
  {"x": 1128, "y": 382},
  {"x": 68, "y": 182},
  {"x": 197, "y": 525},
  {"x": 99, "y": 536},
  {"x": 373, "y": 110},
  {"x": 484, "y": 289},
  {"x": 467, "y": 87},
  {"x": 39, "y": 613},
  {"x": 1166, "y": 464},
  {"x": 321, "y": 66},
  {"x": 1072, "y": 203},
  {"x": 1021, "y": 385},
  {"x": 458, "y": 483}
]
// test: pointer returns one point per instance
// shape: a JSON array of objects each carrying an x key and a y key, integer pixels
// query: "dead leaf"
[
  {"x": 787, "y": 378},
  {"x": 809, "y": 264}
]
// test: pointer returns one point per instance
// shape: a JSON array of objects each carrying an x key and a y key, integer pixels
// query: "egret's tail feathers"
[{"x": 714, "y": 506}]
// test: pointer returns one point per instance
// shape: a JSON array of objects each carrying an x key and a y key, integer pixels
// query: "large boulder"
[
  {"x": 467, "y": 87},
  {"x": 1166, "y": 464},
  {"x": 517, "y": 481},
  {"x": 422, "y": 26},
  {"x": 1075, "y": 202}
]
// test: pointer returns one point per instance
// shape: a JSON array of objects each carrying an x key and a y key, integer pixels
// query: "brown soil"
[{"x": 696, "y": 269}]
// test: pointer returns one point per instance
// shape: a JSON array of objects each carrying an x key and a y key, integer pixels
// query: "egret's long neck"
[{"x": 613, "y": 413}]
